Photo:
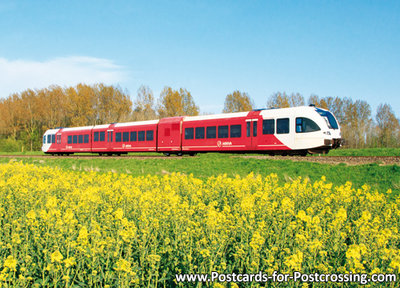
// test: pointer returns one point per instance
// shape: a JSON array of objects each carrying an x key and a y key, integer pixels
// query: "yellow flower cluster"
[{"x": 63, "y": 228}]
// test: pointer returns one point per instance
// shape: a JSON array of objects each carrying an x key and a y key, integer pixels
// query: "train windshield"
[{"x": 329, "y": 118}]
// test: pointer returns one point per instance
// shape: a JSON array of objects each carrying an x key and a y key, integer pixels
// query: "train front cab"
[
  {"x": 49, "y": 144},
  {"x": 298, "y": 131}
]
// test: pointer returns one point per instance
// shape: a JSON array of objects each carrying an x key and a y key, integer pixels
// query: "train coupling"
[{"x": 335, "y": 143}]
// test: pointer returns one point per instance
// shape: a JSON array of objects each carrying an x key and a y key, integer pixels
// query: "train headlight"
[{"x": 327, "y": 133}]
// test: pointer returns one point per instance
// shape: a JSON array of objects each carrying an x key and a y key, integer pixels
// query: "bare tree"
[{"x": 237, "y": 102}]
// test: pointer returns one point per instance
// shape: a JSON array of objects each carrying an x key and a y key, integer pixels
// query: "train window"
[
  {"x": 96, "y": 136},
  {"x": 268, "y": 126},
  {"x": 69, "y": 139},
  {"x": 141, "y": 136},
  {"x": 118, "y": 137},
  {"x": 44, "y": 139},
  {"x": 80, "y": 139},
  {"x": 75, "y": 139},
  {"x": 125, "y": 137},
  {"x": 304, "y": 125},
  {"x": 133, "y": 136},
  {"x": 189, "y": 133},
  {"x": 199, "y": 132},
  {"x": 236, "y": 131},
  {"x": 86, "y": 138},
  {"x": 102, "y": 136},
  {"x": 223, "y": 131},
  {"x": 255, "y": 128},
  {"x": 167, "y": 132},
  {"x": 329, "y": 118},
  {"x": 211, "y": 132},
  {"x": 248, "y": 125},
  {"x": 282, "y": 126},
  {"x": 149, "y": 135},
  {"x": 48, "y": 139}
]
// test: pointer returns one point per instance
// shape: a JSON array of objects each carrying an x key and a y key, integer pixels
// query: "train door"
[
  {"x": 110, "y": 139},
  {"x": 253, "y": 129},
  {"x": 170, "y": 134}
]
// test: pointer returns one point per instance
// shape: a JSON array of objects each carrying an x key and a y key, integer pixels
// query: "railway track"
[{"x": 350, "y": 160}]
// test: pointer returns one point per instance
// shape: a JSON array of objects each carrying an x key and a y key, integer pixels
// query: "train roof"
[
  {"x": 77, "y": 128},
  {"x": 283, "y": 111},
  {"x": 263, "y": 112},
  {"x": 215, "y": 116},
  {"x": 136, "y": 123}
]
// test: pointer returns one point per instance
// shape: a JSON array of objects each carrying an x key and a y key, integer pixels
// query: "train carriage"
[{"x": 285, "y": 131}]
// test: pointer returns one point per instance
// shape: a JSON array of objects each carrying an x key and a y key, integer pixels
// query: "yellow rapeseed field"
[{"x": 61, "y": 228}]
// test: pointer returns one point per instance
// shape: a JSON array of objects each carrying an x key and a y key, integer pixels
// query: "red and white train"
[{"x": 285, "y": 131}]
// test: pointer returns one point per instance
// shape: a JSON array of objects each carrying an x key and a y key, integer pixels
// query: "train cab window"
[
  {"x": 69, "y": 139},
  {"x": 248, "y": 125},
  {"x": 75, "y": 139},
  {"x": 236, "y": 131},
  {"x": 211, "y": 132},
  {"x": 305, "y": 125},
  {"x": 141, "y": 136},
  {"x": 80, "y": 139},
  {"x": 125, "y": 137},
  {"x": 282, "y": 126},
  {"x": 86, "y": 138},
  {"x": 149, "y": 135},
  {"x": 255, "y": 128},
  {"x": 189, "y": 133},
  {"x": 102, "y": 136},
  {"x": 133, "y": 136},
  {"x": 96, "y": 136},
  {"x": 49, "y": 139},
  {"x": 44, "y": 139},
  {"x": 268, "y": 126},
  {"x": 223, "y": 131},
  {"x": 199, "y": 132},
  {"x": 118, "y": 137},
  {"x": 329, "y": 118}
]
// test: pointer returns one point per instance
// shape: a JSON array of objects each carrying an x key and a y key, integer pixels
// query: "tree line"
[{"x": 25, "y": 116}]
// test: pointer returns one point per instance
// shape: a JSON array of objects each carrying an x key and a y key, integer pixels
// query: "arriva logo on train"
[{"x": 222, "y": 144}]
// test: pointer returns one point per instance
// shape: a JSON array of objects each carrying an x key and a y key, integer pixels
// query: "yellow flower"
[
  {"x": 69, "y": 262},
  {"x": 10, "y": 263},
  {"x": 123, "y": 265},
  {"x": 56, "y": 256}
]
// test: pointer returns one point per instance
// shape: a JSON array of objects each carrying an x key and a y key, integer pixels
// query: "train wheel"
[
  {"x": 303, "y": 153},
  {"x": 167, "y": 154},
  {"x": 179, "y": 154}
]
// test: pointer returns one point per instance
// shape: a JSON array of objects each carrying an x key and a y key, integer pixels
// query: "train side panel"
[
  {"x": 74, "y": 140},
  {"x": 214, "y": 133},
  {"x": 135, "y": 137}
]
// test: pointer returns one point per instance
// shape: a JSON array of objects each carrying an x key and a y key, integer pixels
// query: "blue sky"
[{"x": 211, "y": 48}]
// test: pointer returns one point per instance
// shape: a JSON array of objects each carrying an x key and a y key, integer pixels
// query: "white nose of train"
[{"x": 49, "y": 138}]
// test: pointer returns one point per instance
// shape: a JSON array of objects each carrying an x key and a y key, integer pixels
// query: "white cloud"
[{"x": 19, "y": 75}]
